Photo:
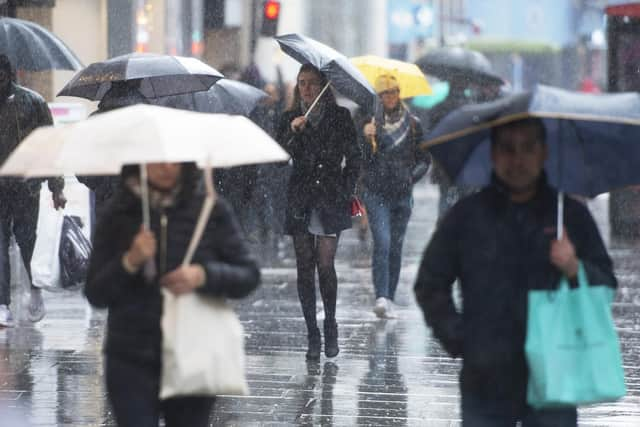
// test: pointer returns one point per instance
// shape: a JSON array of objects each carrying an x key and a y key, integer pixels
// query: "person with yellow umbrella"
[{"x": 393, "y": 163}]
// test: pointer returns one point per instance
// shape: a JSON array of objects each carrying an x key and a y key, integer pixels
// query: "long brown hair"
[{"x": 328, "y": 95}]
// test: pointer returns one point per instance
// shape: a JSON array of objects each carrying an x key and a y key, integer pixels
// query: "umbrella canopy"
[
  {"x": 33, "y": 48},
  {"x": 225, "y": 97},
  {"x": 142, "y": 134},
  {"x": 592, "y": 139},
  {"x": 456, "y": 63},
  {"x": 411, "y": 80},
  {"x": 440, "y": 92},
  {"x": 344, "y": 76},
  {"x": 160, "y": 75}
]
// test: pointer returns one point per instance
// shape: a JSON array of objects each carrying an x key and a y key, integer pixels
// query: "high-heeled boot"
[
  {"x": 331, "y": 338},
  {"x": 313, "y": 351}
]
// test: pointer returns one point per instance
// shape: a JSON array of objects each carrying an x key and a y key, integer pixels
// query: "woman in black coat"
[
  {"x": 119, "y": 281},
  {"x": 326, "y": 160}
]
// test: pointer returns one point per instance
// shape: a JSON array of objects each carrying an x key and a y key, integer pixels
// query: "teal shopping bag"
[{"x": 572, "y": 348}]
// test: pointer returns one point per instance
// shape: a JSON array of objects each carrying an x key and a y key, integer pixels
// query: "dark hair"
[
  {"x": 530, "y": 122},
  {"x": 7, "y": 66},
  {"x": 309, "y": 68}
]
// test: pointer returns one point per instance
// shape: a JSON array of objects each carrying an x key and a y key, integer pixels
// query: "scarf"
[{"x": 396, "y": 126}]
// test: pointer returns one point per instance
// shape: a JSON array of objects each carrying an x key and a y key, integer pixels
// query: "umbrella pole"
[
  {"x": 560, "y": 224},
  {"x": 315, "y": 101},
  {"x": 144, "y": 195},
  {"x": 203, "y": 218}
]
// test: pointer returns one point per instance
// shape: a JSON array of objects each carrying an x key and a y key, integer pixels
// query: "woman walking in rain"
[
  {"x": 117, "y": 280},
  {"x": 323, "y": 145},
  {"x": 393, "y": 163}
]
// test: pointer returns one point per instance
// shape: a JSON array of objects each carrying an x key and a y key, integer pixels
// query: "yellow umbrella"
[{"x": 412, "y": 81}]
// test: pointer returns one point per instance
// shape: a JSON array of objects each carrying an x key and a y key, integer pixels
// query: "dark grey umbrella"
[
  {"x": 344, "y": 76},
  {"x": 33, "y": 48},
  {"x": 226, "y": 96},
  {"x": 160, "y": 75},
  {"x": 449, "y": 63}
]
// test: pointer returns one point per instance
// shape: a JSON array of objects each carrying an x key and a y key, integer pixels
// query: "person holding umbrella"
[
  {"x": 222, "y": 267},
  {"x": 471, "y": 80},
  {"x": 393, "y": 163},
  {"x": 21, "y": 111},
  {"x": 500, "y": 243},
  {"x": 320, "y": 136}
]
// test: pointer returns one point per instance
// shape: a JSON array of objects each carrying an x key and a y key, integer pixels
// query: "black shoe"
[
  {"x": 313, "y": 352},
  {"x": 331, "y": 339}
]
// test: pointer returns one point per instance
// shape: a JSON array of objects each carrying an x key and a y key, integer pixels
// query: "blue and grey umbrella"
[
  {"x": 159, "y": 75},
  {"x": 33, "y": 48},
  {"x": 225, "y": 97},
  {"x": 593, "y": 140},
  {"x": 342, "y": 74}
]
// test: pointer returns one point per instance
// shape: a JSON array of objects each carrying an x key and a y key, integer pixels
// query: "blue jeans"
[
  {"x": 479, "y": 412},
  {"x": 388, "y": 218}
]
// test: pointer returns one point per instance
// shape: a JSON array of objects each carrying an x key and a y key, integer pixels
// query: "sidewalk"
[{"x": 388, "y": 373}]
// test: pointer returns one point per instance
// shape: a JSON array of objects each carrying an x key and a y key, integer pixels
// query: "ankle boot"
[
  {"x": 313, "y": 352},
  {"x": 331, "y": 339}
]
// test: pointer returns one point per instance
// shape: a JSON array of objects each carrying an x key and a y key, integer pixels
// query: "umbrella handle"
[
  {"x": 150, "y": 265},
  {"x": 372, "y": 139},
  {"x": 144, "y": 195},
  {"x": 560, "y": 219},
  {"x": 203, "y": 218},
  {"x": 315, "y": 101}
]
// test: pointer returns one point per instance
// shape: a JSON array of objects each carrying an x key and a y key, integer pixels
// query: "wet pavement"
[{"x": 388, "y": 373}]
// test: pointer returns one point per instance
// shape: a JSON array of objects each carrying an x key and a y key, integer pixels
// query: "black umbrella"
[
  {"x": 33, "y": 48},
  {"x": 456, "y": 63},
  {"x": 161, "y": 75},
  {"x": 226, "y": 96},
  {"x": 342, "y": 74}
]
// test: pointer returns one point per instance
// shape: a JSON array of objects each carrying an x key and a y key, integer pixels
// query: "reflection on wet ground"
[{"x": 388, "y": 373}]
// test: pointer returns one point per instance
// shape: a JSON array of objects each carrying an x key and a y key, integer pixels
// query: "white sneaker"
[
  {"x": 6, "y": 319},
  {"x": 390, "y": 312},
  {"x": 380, "y": 309},
  {"x": 36, "y": 309}
]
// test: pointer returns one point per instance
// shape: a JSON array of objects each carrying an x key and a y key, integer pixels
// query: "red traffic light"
[{"x": 271, "y": 9}]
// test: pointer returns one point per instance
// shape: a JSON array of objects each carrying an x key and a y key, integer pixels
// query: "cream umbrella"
[{"x": 143, "y": 134}]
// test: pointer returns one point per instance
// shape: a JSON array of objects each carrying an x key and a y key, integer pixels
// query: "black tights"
[{"x": 316, "y": 252}]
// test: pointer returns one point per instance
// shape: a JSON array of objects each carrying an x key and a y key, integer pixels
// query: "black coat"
[
  {"x": 393, "y": 171},
  {"x": 135, "y": 306},
  {"x": 498, "y": 251},
  {"x": 20, "y": 113},
  {"x": 319, "y": 181}
]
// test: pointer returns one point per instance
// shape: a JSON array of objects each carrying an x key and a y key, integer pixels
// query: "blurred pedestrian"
[
  {"x": 222, "y": 267},
  {"x": 500, "y": 243},
  {"x": 269, "y": 198},
  {"x": 121, "y": 94},
  {"x": 393, "y": 163},
  {"x": 326, "y": 161},
  {"x": 21, "y": 111},
  {"x": 450, "y": 193}
]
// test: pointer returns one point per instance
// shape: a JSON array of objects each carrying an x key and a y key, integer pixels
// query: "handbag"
[
  {"x": 202, "y": 347},
  {"x": 356, "y": 207},
  {"x": 572, "y": 348},
  {"x": 73, "y": 253}
]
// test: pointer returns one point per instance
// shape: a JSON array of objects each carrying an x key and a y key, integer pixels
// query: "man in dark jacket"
[
  {"x": 21, "y": 111},
  {"x": 500, "y": 243}
]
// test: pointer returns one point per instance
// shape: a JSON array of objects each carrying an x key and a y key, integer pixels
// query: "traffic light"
[{"x": 270, "y": 15}]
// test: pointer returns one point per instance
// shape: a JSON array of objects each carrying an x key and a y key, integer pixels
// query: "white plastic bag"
[
  {"x": 202, "y": 348},
  {"x": 45, "y": 265}
]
